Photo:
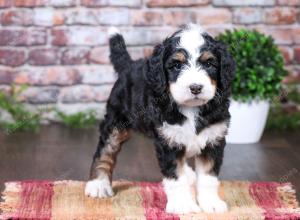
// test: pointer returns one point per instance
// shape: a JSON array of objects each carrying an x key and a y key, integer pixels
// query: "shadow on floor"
[{"x": 57, "y": 153}]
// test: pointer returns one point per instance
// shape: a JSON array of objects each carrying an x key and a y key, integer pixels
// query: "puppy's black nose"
[{"x": 196, "y": 88}]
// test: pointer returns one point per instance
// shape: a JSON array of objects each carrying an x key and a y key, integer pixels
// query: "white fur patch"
[
  {"x": 100, "y": 188},
  {"x": 112, "y": 31},
  {"x": 207, "y": 194},
  {"x": 181, "y": 92},
  {"x": 179, "y": 196},
  {"x": 185, "y": 134},
  {"x": 189, "y": 173},
  {"x": 191, "y": 40}
]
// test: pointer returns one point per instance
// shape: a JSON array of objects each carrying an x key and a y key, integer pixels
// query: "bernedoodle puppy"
[{"x": 179, "y": 97}]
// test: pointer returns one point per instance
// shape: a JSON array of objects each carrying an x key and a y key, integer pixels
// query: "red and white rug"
[{"x": 142, "y": 200}]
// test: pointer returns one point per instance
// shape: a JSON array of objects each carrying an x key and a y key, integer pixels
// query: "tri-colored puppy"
[{"x": 179, "y": 97}]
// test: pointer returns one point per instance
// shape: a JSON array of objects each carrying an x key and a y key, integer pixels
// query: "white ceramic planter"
[{"x": 248, "y": 121}]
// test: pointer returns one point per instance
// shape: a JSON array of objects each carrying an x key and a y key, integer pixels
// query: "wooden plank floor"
[{"x": 57, "y": 153}]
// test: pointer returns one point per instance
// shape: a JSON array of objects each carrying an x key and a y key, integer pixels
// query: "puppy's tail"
[{"x": 119, "y": 55}]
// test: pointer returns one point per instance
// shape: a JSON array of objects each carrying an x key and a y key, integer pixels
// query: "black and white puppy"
[{"x": 179, "y": 97}]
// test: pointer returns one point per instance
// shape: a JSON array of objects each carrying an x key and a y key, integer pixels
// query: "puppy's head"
[{"x": 193, "y": 66}]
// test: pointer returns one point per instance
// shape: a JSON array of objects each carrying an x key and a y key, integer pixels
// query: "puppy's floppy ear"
[
  {"x": 227, "y": 66},
  {"x": 154, "y": 71}
]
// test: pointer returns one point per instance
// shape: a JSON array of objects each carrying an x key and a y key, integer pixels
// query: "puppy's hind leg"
[{"x": 104, "y": 160}]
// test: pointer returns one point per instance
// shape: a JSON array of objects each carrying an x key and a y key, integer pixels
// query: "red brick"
[
  {"x": 12, "y": 57},
  {"x": 177, "y": 17},
  {"x": 212, "y": 16},
  {"x": 41, "y": 57},
  {"x": 247, "y": 15},
  {"x": 86, "y": 36},
  {"x": 146, "y": 36},
  {"x": 101, "y": 93},
  {"x": 297, "y": 54},
  {"x": 40, "y": 95},
  {"x": 280, "y": 15},
  {"x": 97, "y": 74},
  {"x": 22, "y": 37},
  {"x": 293, "y": 75},
  {"x": 84, "y": 94},
  {"x": 146, "y": 18},
  {"x": 80, "y": 16},
  {"x": 6, "y": 76},
  {"x": 136, "y": 52},
  {"x": 139, "y": 52},
  {"x": 289, "y": 2},
  {"x": 5, "y": 3},
  {"x": 176, "y": 3},
  {"x": 59, "y": 37},
  {"x": 281, "y": 35},
  {"x": 62, "y": 3},
  {"x": 113, "y": 16},
  {"x": 127, "y": 3},
  {"x": 75, "y": 56},
  {"x": 74, "y": 94},
  {"x": 99, "y": 55},
  {"x": 227, "y": 3},
  {"x": 17, "y": 17},
  {"x": 30, "y": 3},
  {"x": 48, "y": 76},
  {"x": 48, "y": 17},
  {"x": 296, "y": 35},
  {"x": 287, "y": 54}
]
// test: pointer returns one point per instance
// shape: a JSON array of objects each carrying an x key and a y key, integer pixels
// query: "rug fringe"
[
  {"x": 11, "y": 198},
  {"x": 288, "y": 193}
]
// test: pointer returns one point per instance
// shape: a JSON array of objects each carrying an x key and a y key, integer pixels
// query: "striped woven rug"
[{"x": 141, "y": 200}]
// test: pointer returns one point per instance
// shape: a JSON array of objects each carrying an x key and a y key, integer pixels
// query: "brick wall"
[{"x": 59, "y": 47}]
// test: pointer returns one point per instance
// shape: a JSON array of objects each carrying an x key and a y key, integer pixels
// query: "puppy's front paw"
[
  {"x": 100, "y": 188},
  {"x": 212, "y": 204},
  {"x": 182, "y": 206}
]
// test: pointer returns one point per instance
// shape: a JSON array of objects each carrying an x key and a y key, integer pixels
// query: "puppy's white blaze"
[
  {"x": 185, "y": 134},
  {"x": 188, "y": 76},
  {"x": 191, "y": 39},
  {"x": 179, "y": 196}
]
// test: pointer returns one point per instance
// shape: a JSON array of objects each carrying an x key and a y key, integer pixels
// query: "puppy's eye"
[
  {"x": 177, "y": 66},
  {"x": 209, "y": 63}
]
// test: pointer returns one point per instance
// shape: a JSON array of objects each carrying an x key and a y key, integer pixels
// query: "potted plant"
[{"x": 259, "y": 72}]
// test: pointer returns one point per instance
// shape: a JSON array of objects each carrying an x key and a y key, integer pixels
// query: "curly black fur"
[{"x": 141, "y": 100}]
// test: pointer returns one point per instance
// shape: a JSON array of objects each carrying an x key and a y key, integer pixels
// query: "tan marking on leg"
[
  {"x": 206, "y": 164},
  {"x": 180, "y": 167},
  {"x": 106, "y": 163}
]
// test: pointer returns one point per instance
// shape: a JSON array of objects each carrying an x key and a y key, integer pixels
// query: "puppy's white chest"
[{"x": 186, "y": 136}]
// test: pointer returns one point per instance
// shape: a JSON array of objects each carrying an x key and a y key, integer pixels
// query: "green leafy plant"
[
  {"x": 21, "y": 119},
  {"x": 259, "y": 65},
  {"x": 78, "y": 120}
]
